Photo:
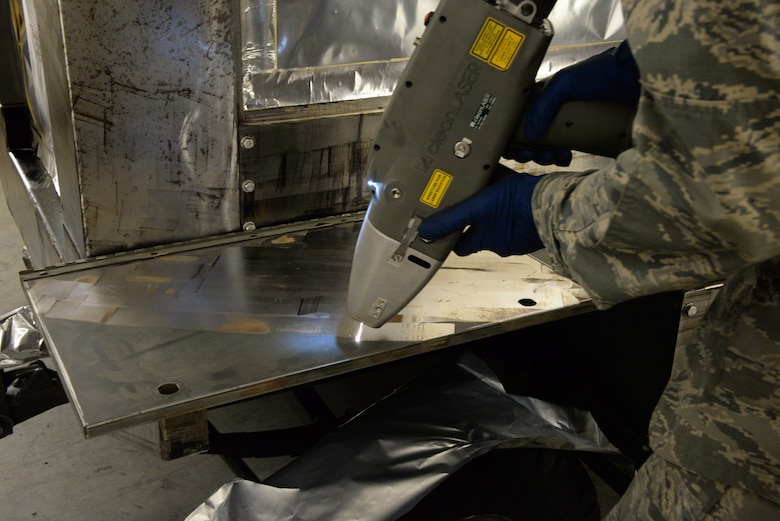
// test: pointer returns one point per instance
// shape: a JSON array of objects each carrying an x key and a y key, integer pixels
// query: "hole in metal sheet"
[
  {"x": 168, "y": 388},
  {"x": 527, "y": 302}
]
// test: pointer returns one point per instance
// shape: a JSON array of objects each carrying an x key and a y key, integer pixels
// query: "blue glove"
[
  {"x": 499, "y": 219},
  {"x": 610, "y": 76}
]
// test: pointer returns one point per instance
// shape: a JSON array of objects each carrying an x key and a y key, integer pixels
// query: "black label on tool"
[{"x": 478, "y": 121}]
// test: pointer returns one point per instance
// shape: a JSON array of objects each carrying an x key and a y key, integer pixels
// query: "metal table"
[{"x": 162, "y": 332}]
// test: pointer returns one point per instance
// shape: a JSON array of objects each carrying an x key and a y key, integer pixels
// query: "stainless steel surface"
[
  {"x": 153, "y": 100},
  {"x": 40, "y": 36},
  {"x": 247, "y": 314},
  {"x": 305, "y": 169},
  {"x": 137, "y": 110},
  {"x": 37, "y": 208}
]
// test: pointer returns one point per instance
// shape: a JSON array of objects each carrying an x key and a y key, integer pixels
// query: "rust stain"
[
  {"x": 147, "y": 279},
  {"x": 284, "y": 239},
  {"x": 244, "y": 325},
  {"x": 108, "y": 314}
]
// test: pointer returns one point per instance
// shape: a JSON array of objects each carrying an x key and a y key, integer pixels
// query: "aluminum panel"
[{"x": 145, "y": 335}]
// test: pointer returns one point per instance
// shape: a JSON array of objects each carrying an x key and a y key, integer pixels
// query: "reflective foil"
[
  {"x": 383, "y": 462},
  {"x": 298, "y": 52},
  {"x": 20, "y": 341}
]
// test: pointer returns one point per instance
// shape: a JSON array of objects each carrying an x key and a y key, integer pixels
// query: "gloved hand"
[
  {"x": 499, "y": 219},
  {"x": 610, "y": 76}
]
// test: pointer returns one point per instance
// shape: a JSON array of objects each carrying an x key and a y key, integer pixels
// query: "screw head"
[
  {"x": 690, "y": 310},
  {"x": 462, "y": 148},
  {"x": 248, "y": 186},
  {"x": 248, "y": 142}
]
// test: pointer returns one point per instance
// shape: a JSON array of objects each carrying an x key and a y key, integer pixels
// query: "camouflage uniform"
[{"x": 696, "y": 200}]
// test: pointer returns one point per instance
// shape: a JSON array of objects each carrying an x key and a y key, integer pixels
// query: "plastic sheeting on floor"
[
  {"x": 385, "y": 460},
  {"x": 20, "y": 341}
]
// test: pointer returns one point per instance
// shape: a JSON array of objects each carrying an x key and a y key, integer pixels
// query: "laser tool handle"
[{"x": 602, "y": 128}]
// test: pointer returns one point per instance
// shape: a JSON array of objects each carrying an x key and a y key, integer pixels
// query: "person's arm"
[
  {"x": 697, "y": 198},
  {"x": 699, "y": 195}
]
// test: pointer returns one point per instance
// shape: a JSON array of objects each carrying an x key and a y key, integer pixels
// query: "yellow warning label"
[
  {"x": 436, "y": 188},
  {"x": 497, "y": 44}
]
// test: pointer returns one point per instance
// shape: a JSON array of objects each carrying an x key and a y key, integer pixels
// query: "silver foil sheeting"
[
  {"x": 384, "y": 461},
  {"x": 298, "y": 52},
  {"x": 20, "y": 341}
]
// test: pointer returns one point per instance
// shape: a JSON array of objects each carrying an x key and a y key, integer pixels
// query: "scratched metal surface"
[
  {"x": 140, "y": 336},
  {"x": 154, "y": 114},
  {"x": 140, "y": 109},
  {"x": 291, "y": 182}
]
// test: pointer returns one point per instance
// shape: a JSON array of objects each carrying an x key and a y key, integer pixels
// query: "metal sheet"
[
  {"x": 152, "y": 93},
  {"x": 40, "y": 37},
  {"x": 288, "y": 183},
  {"x": 137, "y": 107},
  {"x": 134, "y": 108},
  {"x": 143, "y": 335}
]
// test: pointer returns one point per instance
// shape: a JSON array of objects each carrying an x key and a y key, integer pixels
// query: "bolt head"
[{"x": 248, "y": 142}]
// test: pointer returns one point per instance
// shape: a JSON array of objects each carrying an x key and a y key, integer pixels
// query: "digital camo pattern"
[
  {"x": 696, "y": 200},
  {"x": 693, "y": 498},
  {"x": 699, "y": 195},
  {"x": 719, "y": 415}
]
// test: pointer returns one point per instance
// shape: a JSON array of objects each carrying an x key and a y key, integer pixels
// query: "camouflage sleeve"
[
  {"x": 719, "y": 415},
  {"x": 698, "y": 196}
]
